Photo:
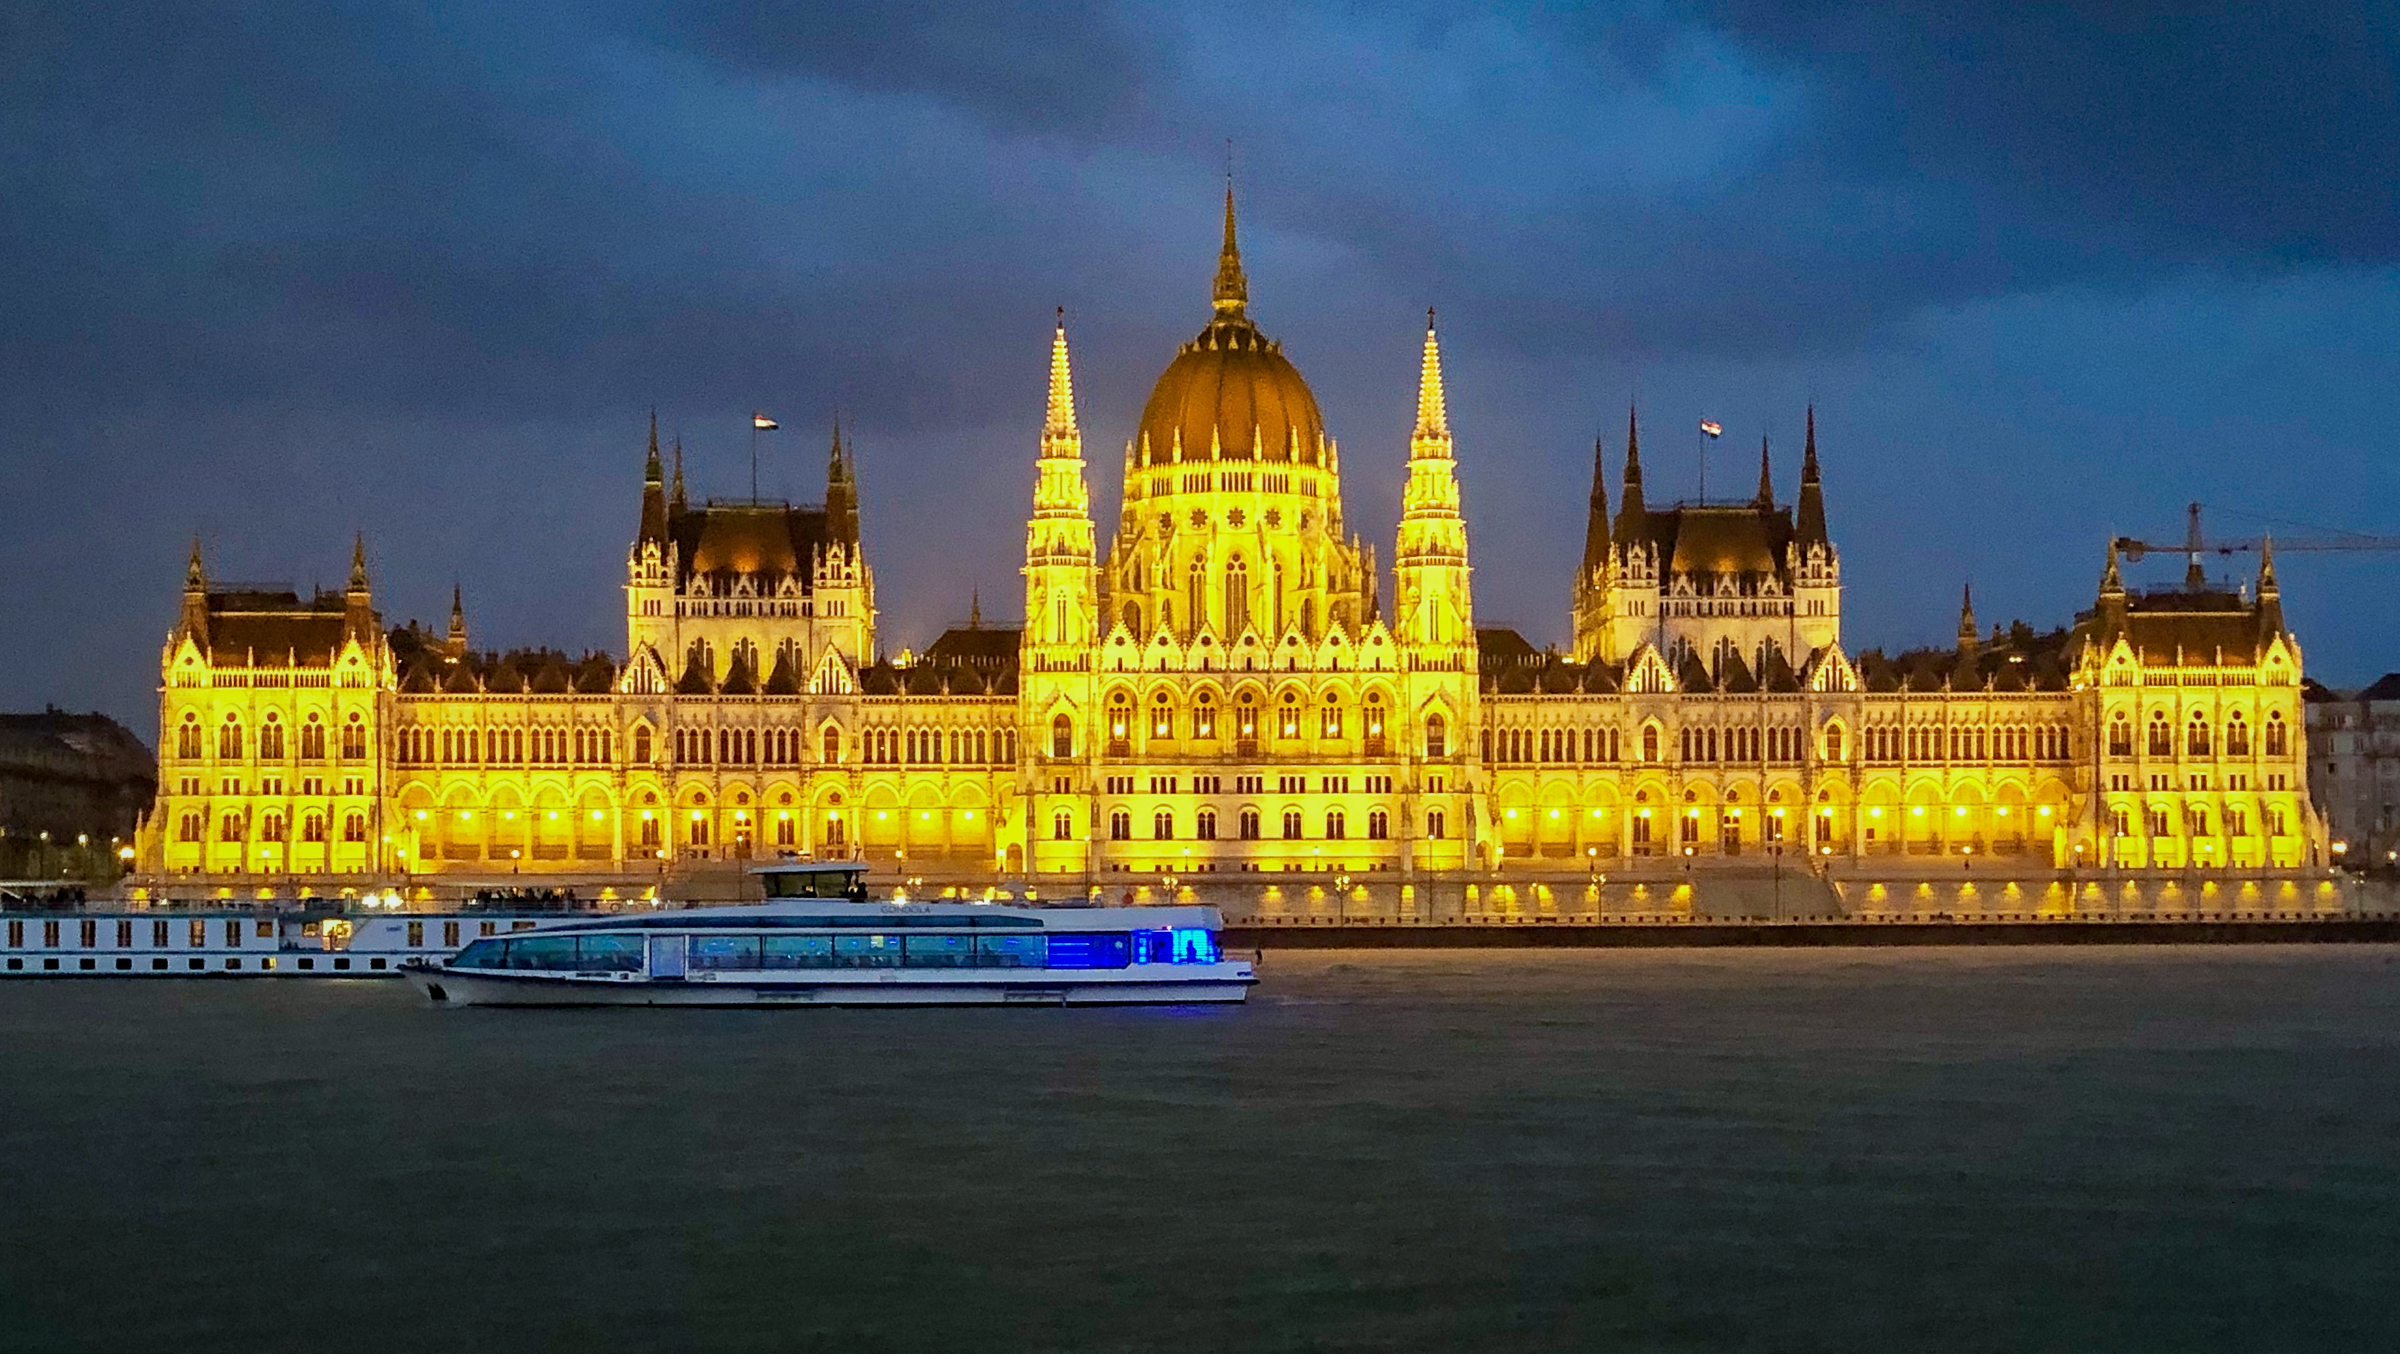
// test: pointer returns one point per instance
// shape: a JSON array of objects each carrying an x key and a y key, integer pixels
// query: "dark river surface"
[{"x": 2137, "y": 1149}]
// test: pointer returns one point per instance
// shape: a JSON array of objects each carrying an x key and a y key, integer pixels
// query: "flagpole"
[{"x": 754, "y": 458}]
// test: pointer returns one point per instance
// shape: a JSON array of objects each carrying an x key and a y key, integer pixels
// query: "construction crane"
[{"x": 2193, "y": 547}]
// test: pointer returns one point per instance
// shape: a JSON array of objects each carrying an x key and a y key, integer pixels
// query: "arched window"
[
  {"x": 1196, "y": 595},
  {"x": 1379, "y": 824},
  {"x": 270, "y": 826},
  {"x": 1650, "y": 743},
  {"x": 187, "y": 738},
  {"x": 1833, "y": 742},
  {"x": 1062, "y": 826},
  {"x": 1437, "y": 736},
  {"x": 1162, "y": 716},
  {"x": 1291, "y": 715},
  {"x": 2195, "y": 737},
  {"x": 1120, "y": 826},
  {"x": 312, "y": 827},
  {"x": 312, "y": 738},
  {"x": 1162, "y": 825},
  {"x": 1333, "y": 825},
  {"x": 1433, "y": 824},
  {"x": 270, "y": 738},
  {"x": 1204, "y": 825},
  {"x": 2162, "y": 737},
  {"x": 229, "y": 742},
  {"x": 832, "y": 751},
  {"x": 1062, "y": 737},
  {"x": 354, "y": 827},
  {"x": 1291, "y": 825},
  {"x": 2277, "y": 746},
  {"x": 641, "y": 742},
  {"x": 1247, "y": 825},
  {"x": 2237, "y": 736},
  {"x": 1204, "y": 717},
  {"x": 1330, "y": 724},
  {"x": 191, "y": 827},
  {"x": 2120, "y": 737},
  {"x": 229, "y": 828},
  {"x": 1237, "y": 596}
]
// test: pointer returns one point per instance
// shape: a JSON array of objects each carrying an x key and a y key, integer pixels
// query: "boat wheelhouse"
[{"x": 810, "y": 945}]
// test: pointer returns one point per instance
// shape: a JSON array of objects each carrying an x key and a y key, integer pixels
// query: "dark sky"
[{"x": 276, "y": 273}]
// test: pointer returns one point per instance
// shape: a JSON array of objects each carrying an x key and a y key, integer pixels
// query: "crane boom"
[{"x": 2193, "y": 547}]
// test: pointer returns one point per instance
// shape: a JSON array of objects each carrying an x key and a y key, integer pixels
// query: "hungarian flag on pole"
[
  {"x": 1712, "y": 429},
  {"x": 763, "y": 424}
]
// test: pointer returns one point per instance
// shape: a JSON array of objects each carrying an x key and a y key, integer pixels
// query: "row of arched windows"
[
  {"x": 272, "y": 742},
  {"x": 1204, "y": 825},
  {"x": 1965, "y": 743},
  {"x": 1550, "y": 745},
  {"x": 273, "y": 827},
  {"x": 2200, "y": 738},
  {"x": 940, "y": 747}
]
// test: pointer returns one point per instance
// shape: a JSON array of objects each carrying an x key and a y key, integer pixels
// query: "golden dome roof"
[{"x": 1231, "y": 386}]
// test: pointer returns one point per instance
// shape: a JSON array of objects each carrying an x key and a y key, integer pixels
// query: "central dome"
[{"x": 1231, "y": 387}]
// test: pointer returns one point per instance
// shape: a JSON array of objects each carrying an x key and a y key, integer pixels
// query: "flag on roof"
[
  {"x": 763, "y": 423},
  {"x": 1712, "y": 429}
]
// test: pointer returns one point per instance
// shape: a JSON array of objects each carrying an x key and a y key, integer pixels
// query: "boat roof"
[{"x": 833, "y": 913}]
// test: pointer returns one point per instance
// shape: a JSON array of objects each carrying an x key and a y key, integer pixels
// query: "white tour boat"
[{"x": 811, "y": 943}]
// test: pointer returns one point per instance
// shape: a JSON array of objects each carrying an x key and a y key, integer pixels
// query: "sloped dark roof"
[
  {"x": 769, "y": 542},
  {"x": 784, "y": 680},
  {"x": 976, "y": 646},
  {"x": 274, "y": 629},
  {"x": 738, "y": 679},
  {"x": 2384, "y": 688},
  {"x": 1734, "y": 676},
  {"x": 695, "y": 680},
  {"x": 882, "y": 679}
]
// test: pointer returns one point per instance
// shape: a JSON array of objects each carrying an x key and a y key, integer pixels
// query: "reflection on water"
[
  {"x": 1976, "y": 1149},
  {"x": 1788, "y": 896}
]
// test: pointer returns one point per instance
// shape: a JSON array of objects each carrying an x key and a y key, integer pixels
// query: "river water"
[{"x": 2141, "y": 1149}]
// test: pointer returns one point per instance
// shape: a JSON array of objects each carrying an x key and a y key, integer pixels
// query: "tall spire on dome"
[
  {"x": 1233, "y": 290},
  {"x": 1433, "y": 412},
  {"x": 1810, "y": 528},
  {"x": 1633, "y": 516}
]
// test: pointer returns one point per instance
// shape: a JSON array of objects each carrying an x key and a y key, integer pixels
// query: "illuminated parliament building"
[{"x": 1223, "y": 689}]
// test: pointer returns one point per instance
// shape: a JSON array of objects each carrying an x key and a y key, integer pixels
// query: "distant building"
[
  {"x": 2354, "y": 768},
  {"x": 1216, "y": 686},
  {"x": 72, "y": 789}
]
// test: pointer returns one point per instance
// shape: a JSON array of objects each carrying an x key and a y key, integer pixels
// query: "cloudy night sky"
[{"x": 276, "y": 274}]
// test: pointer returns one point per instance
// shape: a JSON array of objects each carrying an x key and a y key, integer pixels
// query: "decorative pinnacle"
[
  {"x": 358, "y": 563},
  {"x": 1233, "y": 290},
  {"x": 1433, "y": 414},
  {"x": 195, "y": 576},
  {"x": 1062, "y": 382}
]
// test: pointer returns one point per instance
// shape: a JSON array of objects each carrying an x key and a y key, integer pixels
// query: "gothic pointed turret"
[
  {"x": 841, "y": 493},
  {"x": 1595, "y": 522},
  {"x": 1633, "y": 517},
  {"x": 1967, "y": 633},
  {"x": 194, "y": 621},
  {"x": 2270, "y": 594},
  {"x": 1061, "y": 578},
  {"x": 2112, "y": 581},
  {"x": 1809, "y": 527},
  {"x": 1430, "y": 599},
  {"x": 1433, "y": 414},
  {"x": 1061, "y": 419},
  {"x": 358, "y": 563},
  {"x": 455, "y": 643},
  {"x": 675, "y": 499},
  {"x": 1232, "y": 290},
  {"x": 1766, "y": 477},
  {"x": 654, "y": 492}
]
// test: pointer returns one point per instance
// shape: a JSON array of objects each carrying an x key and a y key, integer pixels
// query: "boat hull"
[{"x": 1052, "y": 988}]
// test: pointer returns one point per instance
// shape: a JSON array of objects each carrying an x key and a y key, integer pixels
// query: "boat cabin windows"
[{"x": 848, "y": 882}]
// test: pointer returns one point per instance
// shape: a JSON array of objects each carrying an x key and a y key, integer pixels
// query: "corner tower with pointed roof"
[{"x": 1433, "y": 610}]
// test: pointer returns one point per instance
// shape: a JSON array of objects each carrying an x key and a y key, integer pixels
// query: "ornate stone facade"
[{"x": 1221, "y": 692}]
